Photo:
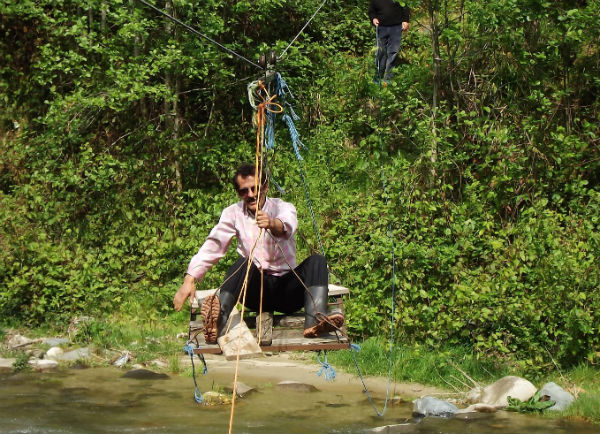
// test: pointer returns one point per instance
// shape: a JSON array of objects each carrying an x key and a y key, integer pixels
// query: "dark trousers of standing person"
[
  {"x": 388, "y": 46},
  {"x": 285, "y": 294}
]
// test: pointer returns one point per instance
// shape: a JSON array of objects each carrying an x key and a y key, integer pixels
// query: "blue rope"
[
  {"x": 270, "y": 130},
  {"x": 296, "y": 143},
  {"x": 189, "y": 349},
  {"x": 326, "y": 369},
  {"x": 354, "y": 347},
  {"x": 282, "y": 89}
]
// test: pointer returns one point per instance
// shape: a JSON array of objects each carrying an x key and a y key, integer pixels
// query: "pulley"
[{"x": 265, "y": 62}]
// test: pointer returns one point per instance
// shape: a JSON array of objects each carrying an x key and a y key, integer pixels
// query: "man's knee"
[{"x": 318, "y": 261}]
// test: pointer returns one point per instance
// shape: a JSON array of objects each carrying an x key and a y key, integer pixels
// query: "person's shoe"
[
  {"x": 326, "y": 325},
  {"x": 211, "y": 308}
]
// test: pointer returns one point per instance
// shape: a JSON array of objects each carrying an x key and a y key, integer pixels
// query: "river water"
[{"x": 100, "y": 400}]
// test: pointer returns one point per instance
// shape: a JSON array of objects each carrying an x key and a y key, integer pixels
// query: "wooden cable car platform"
[{"x": 277, "y": 332}]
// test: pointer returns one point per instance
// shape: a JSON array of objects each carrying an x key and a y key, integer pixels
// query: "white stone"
[
  {"x": 17, "y": 341},
  {"x": 430, "y": 406},
  {"x": 496, "y": 394},
  {"x": 54, "y": 353},
  {"x": 55, "y": 341},
  {"x": 43, "y": 364},
  {"x": 560, "y": 396},
  {"x": 71, "y": 356},
  {"x": 239, "y": 339},
  {"x": 6, "y": 365}
]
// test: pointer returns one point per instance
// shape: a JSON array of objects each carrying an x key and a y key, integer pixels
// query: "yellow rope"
[{"x": 267, "y": 104}]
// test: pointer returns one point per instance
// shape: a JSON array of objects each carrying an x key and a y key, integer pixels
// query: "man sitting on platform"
[{"x": 286, "y": 287}]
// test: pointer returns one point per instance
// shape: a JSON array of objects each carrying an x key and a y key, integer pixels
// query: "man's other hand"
[
  {"x": 187, "y": 290},
  {"x": 263, "y": 220},
  {"x": 375, "y": 22}
]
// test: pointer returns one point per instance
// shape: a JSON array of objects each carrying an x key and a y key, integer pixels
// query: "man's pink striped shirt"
[{"x": 237, "y": 221}]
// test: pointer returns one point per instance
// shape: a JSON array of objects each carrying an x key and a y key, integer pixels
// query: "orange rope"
[{"x": 267, "y": 104}]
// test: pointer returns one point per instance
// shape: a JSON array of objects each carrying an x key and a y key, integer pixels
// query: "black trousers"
[{"x": 283, "y": 294}]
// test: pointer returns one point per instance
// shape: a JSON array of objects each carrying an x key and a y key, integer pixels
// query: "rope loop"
[
  {"x": 258, "y": 95},
  {"x": 355, "y": 347}
]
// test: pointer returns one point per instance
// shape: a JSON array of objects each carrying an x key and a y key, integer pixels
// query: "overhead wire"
[
  {"x": 301, "y": 30},
  {"x": 197, "y": 32}
]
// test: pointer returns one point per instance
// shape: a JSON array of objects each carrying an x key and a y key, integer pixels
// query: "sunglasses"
[{"x": 244, "y": 191}]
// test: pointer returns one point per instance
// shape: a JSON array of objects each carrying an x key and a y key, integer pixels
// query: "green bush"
[{"x": 472, "y": 189}]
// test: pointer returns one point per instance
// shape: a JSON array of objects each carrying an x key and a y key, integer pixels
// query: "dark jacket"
[{"x": 388, "y": 12}]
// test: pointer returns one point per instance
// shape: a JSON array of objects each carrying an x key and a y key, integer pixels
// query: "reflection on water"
[{"x": 100, "y": 401}]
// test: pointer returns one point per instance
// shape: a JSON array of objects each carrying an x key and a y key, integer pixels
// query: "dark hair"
[{"x": 246, "y": 170}]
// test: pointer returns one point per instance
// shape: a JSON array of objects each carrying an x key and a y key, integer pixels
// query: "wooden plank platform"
[{"x": 286, "y": 332}]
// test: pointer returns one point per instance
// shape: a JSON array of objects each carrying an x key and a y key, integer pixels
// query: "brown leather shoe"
[
  {"x": 211, "y": 308},
  {"x": 326, "y": 325}
]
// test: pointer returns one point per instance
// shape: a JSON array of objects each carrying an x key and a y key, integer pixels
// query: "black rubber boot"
[
  {"x": 315, "y": 301},
  {"x": 316, "y": 319},
  {"x": 228, "y": 302}
]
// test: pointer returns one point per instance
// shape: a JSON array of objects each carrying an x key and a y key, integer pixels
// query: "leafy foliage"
[
  {"x": 469, "y": 185},
  {"x": 536, "y": 403}
]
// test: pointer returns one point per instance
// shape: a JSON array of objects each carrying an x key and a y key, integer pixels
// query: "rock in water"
[
  {"x": 560, "y": 396},
  {"x": 144, "y": 374},
  {"x": 43, "y": 365},
  {"x": 429, "y": 406},
  {"x": 295, "y": 385},
  {"x": 241, "y": 390},
  {"x": 215, "y": 398}
]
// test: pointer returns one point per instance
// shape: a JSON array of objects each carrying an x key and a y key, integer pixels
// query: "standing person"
[
  {"x": 390, "y": 18},
  {"x": 274, "y": 253}
]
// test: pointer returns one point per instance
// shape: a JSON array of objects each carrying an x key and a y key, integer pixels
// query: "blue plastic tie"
[
  {"x": 326, "y": 369},
  {"x": 189, "y": 349},
  {"x": 355, "y": 347}
]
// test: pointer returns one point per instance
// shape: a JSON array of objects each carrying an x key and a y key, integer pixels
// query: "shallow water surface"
[{"x": 99, "y": 400}]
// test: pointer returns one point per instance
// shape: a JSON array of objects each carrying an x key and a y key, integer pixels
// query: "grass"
[
  {"x": 584, "y": 383},
  {"x": 449, "y": 368},
  {"x": 146, "y": 339}
]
